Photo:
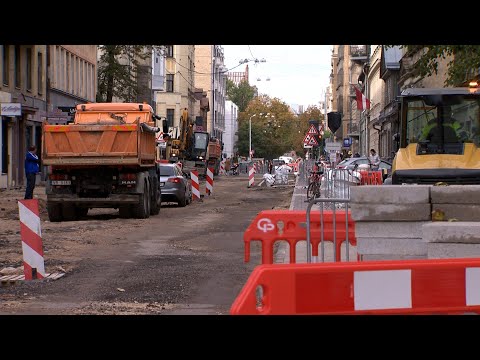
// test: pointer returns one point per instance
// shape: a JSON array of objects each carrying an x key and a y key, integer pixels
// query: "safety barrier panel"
[
  {"x": 427, "y": 286},
  {"x": 195, "y": 185},
  {"x": 251, "y": 176},
  {"x": 371, "y": 177},
  {"x": 31, "y": 234},
  {"x": 209, "y": 182},
  {"x": 293, "y": 226}
]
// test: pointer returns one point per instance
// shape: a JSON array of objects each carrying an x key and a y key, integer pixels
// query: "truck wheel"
[
  {"x": 156, "y": 200},
  {"x": 124, "y": 212},
  {"x": 69, "y": 212},
  {"x": 142, "y": 209},
  {"x": 82, "y": 212},
  {"x": 54, "y": 212}
]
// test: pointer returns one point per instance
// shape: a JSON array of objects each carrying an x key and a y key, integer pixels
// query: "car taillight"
[
  {"x": 175, "y": 180},
  {"x": 127, "y": 176}
]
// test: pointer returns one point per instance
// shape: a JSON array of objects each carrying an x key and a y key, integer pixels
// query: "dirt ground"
[{"x": 182, "y": 261}]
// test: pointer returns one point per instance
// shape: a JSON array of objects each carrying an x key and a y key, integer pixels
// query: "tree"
[
  {"x": 118, "y": 69},
  {"x": 463, "y": 67},
  {"x": 241, "y": 95}
]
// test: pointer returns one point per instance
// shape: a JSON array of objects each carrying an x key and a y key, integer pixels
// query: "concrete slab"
[
  {"x": 385, "y": 229},
  {"x": 386, "y": 246},
  {"x": 391, "y": 194},
  {"x": 455, "y": 194},
  {"x": 452, "y": 232},
  {"x": 461, "y": 212},
  {"x": 390, "y": 212},
  {"x": 446, "y": 250}
]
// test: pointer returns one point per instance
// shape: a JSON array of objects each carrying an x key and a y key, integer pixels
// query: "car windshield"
[{"x": 166, "y": 170}]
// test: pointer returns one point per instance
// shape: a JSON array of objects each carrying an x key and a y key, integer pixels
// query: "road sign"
[
  {"x": 313, "y": 130},
  {"x": 337, "y": 146},
  {"x": 312, "y": 141},
  {"x": 307, "y": 138},
  {"x": 305, "y": 146}
]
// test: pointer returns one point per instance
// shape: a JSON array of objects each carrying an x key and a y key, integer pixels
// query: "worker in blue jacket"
[{"x": 32, "y": 167}]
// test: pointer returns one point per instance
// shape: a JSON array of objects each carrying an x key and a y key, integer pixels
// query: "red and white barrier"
[
  {"x": 31, "y": 234},
  {"x": 209, "y": 182},
  {"x": 195, "y": 185},
  {"x": 251, "y": 176},
  {"x": 222, "y": 168},
  {"x": 426, "y": 286}
]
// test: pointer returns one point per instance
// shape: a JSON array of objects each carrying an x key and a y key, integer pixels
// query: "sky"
[{"x": 299, "y": 74}]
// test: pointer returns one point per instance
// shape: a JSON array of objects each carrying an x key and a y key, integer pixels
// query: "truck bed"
[{"x": 99, "y": 144}]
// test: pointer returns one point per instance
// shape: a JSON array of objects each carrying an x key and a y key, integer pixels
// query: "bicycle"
[{"x": 315, "y": 181}]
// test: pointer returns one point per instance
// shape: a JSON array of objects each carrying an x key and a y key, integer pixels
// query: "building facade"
[
  {"x": 238, "y": 76},
  {"x": 179, "y": 89},
  {"x": 72, "y": 79},
  {"x": 211, "y": 76},
  {"x": 230, "y": 138},
  {"x": 23, "y": 101}
]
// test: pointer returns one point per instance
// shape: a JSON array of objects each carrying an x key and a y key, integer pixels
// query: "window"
[
  {"x": 29, "y": 69},
  {"x": 169, "y": 50},
  {"x": 5, "y": 64},
  {"x": 170, "y": 117},
  {"x": 40, "y": 72},
  {"x": 170, "y": 82},
  {"x": 18, "y": 69},
  {"x": 68, "y": 66}
]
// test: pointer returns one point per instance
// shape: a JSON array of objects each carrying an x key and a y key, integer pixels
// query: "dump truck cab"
[{"x": 439, "y": 137}]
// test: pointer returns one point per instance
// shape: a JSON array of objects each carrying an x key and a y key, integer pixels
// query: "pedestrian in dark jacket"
[{"x": 32, "y": 168}]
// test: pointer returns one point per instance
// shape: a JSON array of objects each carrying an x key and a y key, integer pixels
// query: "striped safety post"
[
  {"x": 31, "y": 234},
  {"x": 195, "y": 185},
  {"x": 209, "y": 182},
  {"x": 222, "y": 168},
  {"x": 251, "y": 176}
]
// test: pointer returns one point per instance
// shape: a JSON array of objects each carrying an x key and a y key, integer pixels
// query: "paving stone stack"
[
  {"x": 458, "y": 236},
  {"x": 389, "y": 220}
]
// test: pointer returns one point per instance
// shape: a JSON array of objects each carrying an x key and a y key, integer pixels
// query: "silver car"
[{"x": 175, "y": 185}]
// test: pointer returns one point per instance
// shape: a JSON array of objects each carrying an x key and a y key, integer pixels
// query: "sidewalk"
[{"x": 298, "y": 202}]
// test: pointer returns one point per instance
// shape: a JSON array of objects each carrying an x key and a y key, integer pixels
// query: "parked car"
[
  {"x": 353, "y": 162},
  {"x": 176, "y": 185}
]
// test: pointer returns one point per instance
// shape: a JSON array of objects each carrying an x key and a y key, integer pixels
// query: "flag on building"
[{"x": 362, "y": 102}]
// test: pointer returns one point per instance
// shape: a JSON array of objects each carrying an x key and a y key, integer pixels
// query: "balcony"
[
  {"x": 352, "y": 130},
  {"x": 358, "y": 52}
]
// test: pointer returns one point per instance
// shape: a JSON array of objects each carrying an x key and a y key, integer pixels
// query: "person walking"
[
  {"x": 32, "y": 167},
  {"x": 374, "y": 160}
]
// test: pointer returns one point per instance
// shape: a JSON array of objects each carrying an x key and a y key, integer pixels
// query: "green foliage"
[
  {"x": 463, "y": 67},
  {"x": 273, "y": 136},
  {"x": 241, "y": 95},
  {"x": 118, "y": 70}
]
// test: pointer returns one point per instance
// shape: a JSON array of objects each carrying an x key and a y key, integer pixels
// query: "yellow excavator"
[{"x": 439, "y": 136}]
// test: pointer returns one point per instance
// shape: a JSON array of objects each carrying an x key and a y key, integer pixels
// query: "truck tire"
[
  {"x": 69, "y": 212},
  {"x": 54, "y": 212},
  {"x": 125, "y": 212},
  {"x": 156, "y": 200},
  {"x": 142, "y": 209}
]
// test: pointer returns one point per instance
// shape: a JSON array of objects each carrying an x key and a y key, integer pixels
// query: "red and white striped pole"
[
  {"x": 222, "y": 168},
  {"x": 195, "y": 185},
  {"x": 31, "y": 234},
  {"x": 209, "y": 182},
  {"x": 251, "y": 176}
]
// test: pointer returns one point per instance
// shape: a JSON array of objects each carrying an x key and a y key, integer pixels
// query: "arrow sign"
[{"x": 313, "y": 130}]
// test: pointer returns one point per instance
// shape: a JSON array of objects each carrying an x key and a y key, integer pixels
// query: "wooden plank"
[
  {"x": 18, "y": 277},
  {"x": 57, "y": 276},
  {"x": 7, "y": 277}
]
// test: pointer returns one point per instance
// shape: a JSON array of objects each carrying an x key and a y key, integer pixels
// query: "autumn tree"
[
  {"x": 119, "y": 69},
  {"x": 272, "y": 134},
  {"x": 241, "y": 95},
  {"x": 463, "y": 66}
]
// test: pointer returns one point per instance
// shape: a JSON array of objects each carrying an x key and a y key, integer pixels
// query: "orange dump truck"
[{"x": 106, "y": 158}]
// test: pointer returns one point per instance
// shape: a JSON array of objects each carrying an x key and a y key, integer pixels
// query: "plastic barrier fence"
[
  {"x": 435, "y": 286},
  {"x": 270, "y": 226}
]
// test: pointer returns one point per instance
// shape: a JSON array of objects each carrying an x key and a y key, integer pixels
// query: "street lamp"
[{"x": 250, "y": 131}]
